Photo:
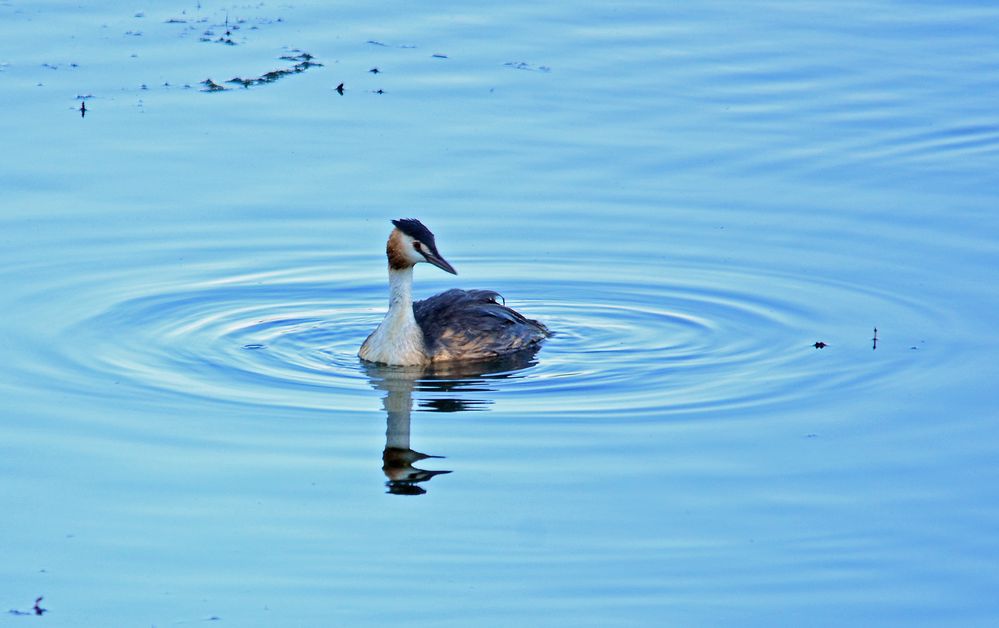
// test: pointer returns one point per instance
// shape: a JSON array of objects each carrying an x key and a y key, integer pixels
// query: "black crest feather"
[{"x": 416, "y": 229}]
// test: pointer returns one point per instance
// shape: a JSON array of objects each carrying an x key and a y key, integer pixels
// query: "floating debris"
[
  {"x": 50, "y": 66},
  {"x": 211, "y": 86},
  {"x": 83, "y": 104},
  {"x": 229, "y": 29},
  {"x": 35, "y": 610},
  {"x": 374, "y": 70},
  {"x": 384, "y": 45},
  {"x": 227, "y": 40},
  {"x": 875, "y": 340},
  {"x": 522, "y": 65},
  {"x": 437, "y": 56},
  {"x": 304, "y": 62},
  {"x": 304, "y": 56},
  {"x": 820, "y": 345},
  {"x": 209, "y": 36},
  {"x": 339, "y": 89}
]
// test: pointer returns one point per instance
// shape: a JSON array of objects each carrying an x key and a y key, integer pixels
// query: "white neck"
[
  {"x": 398, "y": 339},
  {"x": 401, "y": 290}
]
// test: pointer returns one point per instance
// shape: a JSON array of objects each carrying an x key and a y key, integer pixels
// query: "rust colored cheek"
[{"x": 396, "y": 258}]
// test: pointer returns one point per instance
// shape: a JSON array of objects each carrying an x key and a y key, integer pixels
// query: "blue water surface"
[{"x": 763, "y": 233}]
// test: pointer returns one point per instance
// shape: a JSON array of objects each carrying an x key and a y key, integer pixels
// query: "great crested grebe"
[{"x": 453, "y": 325}]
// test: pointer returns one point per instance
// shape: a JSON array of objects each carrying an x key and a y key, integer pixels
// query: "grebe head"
[{"x": 411, "y": 243}]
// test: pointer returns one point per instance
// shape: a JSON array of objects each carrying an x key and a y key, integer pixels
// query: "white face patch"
[{"x": 401, "y": 251}]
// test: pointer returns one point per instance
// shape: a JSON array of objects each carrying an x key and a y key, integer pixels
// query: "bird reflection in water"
[{"x": 441, "y": 387}]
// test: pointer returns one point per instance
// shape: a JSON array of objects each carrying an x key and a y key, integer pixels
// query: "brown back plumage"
[{"x": 471, "y": 324}]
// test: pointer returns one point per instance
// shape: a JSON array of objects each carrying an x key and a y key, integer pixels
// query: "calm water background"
[{"x": 691, "y": 194}]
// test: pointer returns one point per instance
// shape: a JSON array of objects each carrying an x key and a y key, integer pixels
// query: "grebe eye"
[{"x": 418, "y": 246}]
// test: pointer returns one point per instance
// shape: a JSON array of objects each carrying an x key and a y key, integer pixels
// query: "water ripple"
[{"x": 709, "y": 341}]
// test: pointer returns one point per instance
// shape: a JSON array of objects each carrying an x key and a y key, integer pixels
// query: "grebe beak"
[{"x": 438, "y": 261}]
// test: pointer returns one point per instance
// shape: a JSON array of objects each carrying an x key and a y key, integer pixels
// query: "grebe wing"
[{"x": 471, "y": 324}]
